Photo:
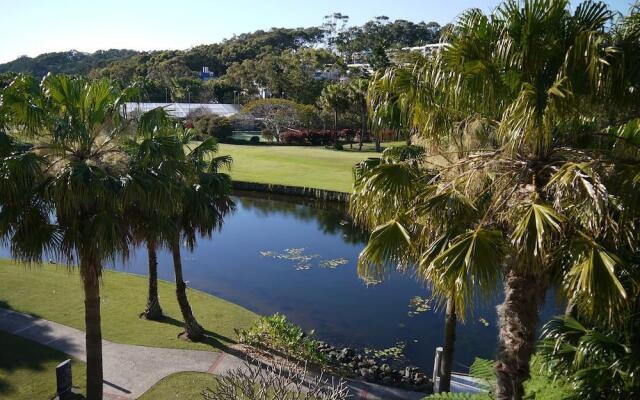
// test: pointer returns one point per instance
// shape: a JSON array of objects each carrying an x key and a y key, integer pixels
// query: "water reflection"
[{"x": 331, "y": 217}]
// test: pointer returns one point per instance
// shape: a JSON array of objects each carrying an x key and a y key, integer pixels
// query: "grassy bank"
[
  {"x": 314, "y": 167},
  {"x": 54, "y": 292},
  {"x": 27, "y": 369}
]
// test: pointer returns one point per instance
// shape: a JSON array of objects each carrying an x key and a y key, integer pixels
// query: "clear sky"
[{"x": 32, "y": 27}]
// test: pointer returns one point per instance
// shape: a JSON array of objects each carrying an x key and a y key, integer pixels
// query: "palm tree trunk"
[
  {"x": 449, "y": 346},
  {"x": 192, "y": 329},
  {"x": 335, "y": 126},
  {"x": 363, "y": 128},
  {"x": 93, "y": 334},
  {"x": 153, "y": 310},
  {"x": 518, "y": 319}
]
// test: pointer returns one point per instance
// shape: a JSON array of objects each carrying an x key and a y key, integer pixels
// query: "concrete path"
[{"x": 130, "y": 370}]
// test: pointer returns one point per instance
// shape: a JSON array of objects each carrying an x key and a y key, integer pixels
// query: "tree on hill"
[
  {"x": 68, "y": 62},
  {"x": 274, "y": 114}
]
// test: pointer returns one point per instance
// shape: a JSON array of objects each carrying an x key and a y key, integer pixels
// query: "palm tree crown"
[{"x": 530, "y": 116}]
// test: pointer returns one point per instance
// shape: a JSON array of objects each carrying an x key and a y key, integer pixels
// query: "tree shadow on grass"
[
  {"x": 212, "y": 339},
  {"x": 20, "y": 349}
]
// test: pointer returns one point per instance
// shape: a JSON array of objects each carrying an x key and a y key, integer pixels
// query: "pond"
[{"x": 299, "y": 258}]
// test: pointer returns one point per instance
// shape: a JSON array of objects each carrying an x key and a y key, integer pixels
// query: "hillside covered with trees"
[{"x": 282, "y": 62}]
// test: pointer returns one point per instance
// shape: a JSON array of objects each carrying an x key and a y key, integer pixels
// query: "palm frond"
[{"x": 389, "y": 245}]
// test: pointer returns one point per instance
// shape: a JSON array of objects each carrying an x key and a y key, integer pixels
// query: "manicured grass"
[
  {"x": 27, "y": 369},
  {"x": 314, "y": 167},
  {"x": 55, "y": 293},
  {"x": 180, "y": 386}
]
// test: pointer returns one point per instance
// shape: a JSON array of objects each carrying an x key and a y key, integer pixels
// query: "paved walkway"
[{"x": 130, "y": 370}]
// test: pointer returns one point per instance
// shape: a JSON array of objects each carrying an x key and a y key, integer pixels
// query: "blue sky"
[{"x": 31, "y": 27}]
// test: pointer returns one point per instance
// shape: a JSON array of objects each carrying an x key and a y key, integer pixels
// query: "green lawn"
[
  {"x": 54, "y": 292},
  {"x": 180, "y": 386},
  {"x": 27, "y": 369},
  {"x": 314, "y": 167}
]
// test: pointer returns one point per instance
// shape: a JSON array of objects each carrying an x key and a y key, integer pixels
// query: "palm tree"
[
  {"x": 532, "y": 115},
  {"x": 334, "y": 98},
  {"x": 203, "y": 203},
  {"x": 74, "y": 169},
  {"x": 357, "y": 91},
  {"x": 381, "y": 205},
  {"x": 156, "y": 155}
]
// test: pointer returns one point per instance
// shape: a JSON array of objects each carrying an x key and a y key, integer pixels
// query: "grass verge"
[
  {"x": 54, "y": 292},
  {"x": 180, "y": 386}
]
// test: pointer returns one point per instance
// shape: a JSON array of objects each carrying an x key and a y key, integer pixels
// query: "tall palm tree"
[
  {"x": 335, "y": 98},
  {"x": 75, "y": 170},
  {"x": 156, "y": 155},
  {"x": 357, "y": 91},
  {"x": 533, "y": 117},
  {"x": 409, "y": 243},
  {"x": 203, "y": 203}
]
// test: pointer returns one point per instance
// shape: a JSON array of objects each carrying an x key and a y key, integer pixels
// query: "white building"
[
  {"x": 427, "y": 49},
  {"x": 181, "y": 110}
]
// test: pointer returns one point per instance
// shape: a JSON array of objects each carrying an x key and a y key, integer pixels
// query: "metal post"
[
  {"x": 64, "y": 381},
  {"x": 436, "y": 370}
]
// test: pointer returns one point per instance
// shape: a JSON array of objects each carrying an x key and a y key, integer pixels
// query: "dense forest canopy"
[
  {"x": 67, "y": 62},
  {"x": 281, "y": 61}
]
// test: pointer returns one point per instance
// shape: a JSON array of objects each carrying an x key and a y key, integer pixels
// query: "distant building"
[
  {"x": 329, "y": 74},
  {"x": 182, "y": 110},
  {"x": 206, "y": 75},
  {"x": 427, "y": 49}
]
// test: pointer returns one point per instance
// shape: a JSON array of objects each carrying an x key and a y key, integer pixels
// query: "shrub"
[
  {"x": 338, "y": 146},
  {"x": 294, "y": 137},
  {"x": 254, "y": 140},
  {"x": 323, "y": 137},
  {"x": 276, "y": 333},
  {"x": 276, "y": 382},
  {"x": 269, "y": 135},
  {"x": 346, "y": 133},
  {"x": 213, "y": 125}
]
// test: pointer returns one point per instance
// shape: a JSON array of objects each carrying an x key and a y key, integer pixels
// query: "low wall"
[{"x": 319, "y": 194}]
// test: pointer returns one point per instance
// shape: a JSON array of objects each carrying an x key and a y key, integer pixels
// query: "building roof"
[{"x": 181, "y": 110}]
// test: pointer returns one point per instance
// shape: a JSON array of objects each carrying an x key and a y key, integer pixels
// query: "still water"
[
  {"x": 280, "y": 255},
  {"x": 299, "y": 258}
]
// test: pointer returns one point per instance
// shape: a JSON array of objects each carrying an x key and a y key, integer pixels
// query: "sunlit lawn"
[
  {"x": 55, "y": 293},
  {"x": 314, "y": 167}
]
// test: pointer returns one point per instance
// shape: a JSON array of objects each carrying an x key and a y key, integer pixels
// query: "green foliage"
[
  {"x": 527, "y": 107},
  {"x": 379, "y": 33},
  {"x": 276, "y": 333},
  {"x": 213, "y": 125},
  {"x": 540, "y": 386},
  {"x": 597, "y": 360},
  {"x": 483, "y": 369},
  {"x": 289, "y": 74},
  {"x": 68, "y": 62},
  {"x": 275, "y": 115}
]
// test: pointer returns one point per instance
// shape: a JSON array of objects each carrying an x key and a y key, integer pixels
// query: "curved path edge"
[{"x": 131, "y": 370}]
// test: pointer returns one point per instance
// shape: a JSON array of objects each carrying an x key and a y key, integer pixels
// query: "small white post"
[{"x": 436, "y": 370}]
